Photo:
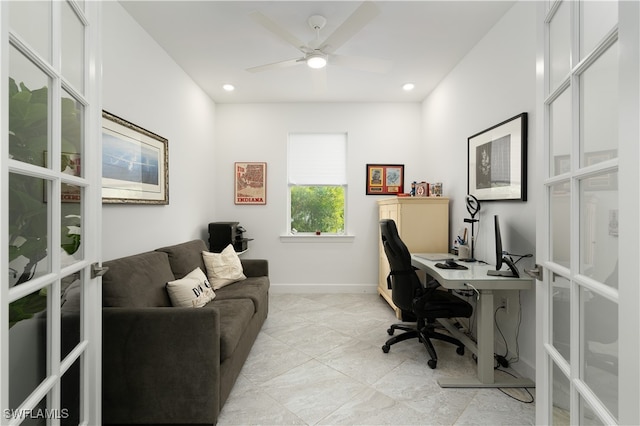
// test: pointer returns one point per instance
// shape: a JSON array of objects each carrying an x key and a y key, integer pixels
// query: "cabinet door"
[
  {"x": 387, "y": 211},
  {"x": 425, "y": 227}
]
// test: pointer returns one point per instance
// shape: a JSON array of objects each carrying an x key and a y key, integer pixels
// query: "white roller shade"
[{"x": 317, "y": 159}]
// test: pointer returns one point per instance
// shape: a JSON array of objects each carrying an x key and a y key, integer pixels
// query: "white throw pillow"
[
  {"x": 187, "y": 293},
  {"x": 223, "y": 268},
  {"x": 204, "y": 282}
]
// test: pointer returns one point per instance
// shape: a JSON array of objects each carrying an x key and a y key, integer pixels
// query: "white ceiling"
[{"x": 216, "y": 41}]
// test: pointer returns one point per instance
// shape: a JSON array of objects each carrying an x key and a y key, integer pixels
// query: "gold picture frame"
[{"x": 135, "y": 163}]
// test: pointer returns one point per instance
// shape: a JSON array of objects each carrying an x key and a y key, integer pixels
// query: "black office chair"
[{"x": 425, "y": 304}]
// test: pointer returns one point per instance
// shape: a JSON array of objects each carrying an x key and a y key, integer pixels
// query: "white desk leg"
[
  {"x": 484, "y": 353},
  {"x": 484, "y": 313}
]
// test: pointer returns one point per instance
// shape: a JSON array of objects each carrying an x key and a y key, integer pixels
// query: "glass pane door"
[
  {"x": 581, "y": 119},
  {"x": 49, "y": 339}
]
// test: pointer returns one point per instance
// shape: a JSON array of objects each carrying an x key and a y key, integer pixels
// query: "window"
[{"x": 317, "y": 183}]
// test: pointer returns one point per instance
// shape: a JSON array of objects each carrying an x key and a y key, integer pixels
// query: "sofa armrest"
[
  {"x": 160, "y": 365},
  {"x": 255, "y": 267}
]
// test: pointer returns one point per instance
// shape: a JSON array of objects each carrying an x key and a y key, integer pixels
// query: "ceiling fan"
[{"x": 318, "y": 53}]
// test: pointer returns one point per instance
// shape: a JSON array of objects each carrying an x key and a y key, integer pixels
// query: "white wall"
[
  {"x": 143, "y": 85},
  {"x": 494, "y": 82},
  {"x": 377, "y": 133}
]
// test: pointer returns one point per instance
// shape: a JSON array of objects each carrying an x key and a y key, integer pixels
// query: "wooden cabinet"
[{"x": 423, "y": 225}]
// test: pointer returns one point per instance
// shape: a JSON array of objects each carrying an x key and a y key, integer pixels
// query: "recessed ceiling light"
[
  {"x": 407, "y": 87},
  {"x": 228, "y": 87}
]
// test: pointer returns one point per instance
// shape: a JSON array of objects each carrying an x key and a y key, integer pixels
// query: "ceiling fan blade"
[
  {"x": 276, "y": 29},
  {"x": 361, "y": 63},
  {"x": 276, "y": 65},
  {"x": 354, "y": 23}
]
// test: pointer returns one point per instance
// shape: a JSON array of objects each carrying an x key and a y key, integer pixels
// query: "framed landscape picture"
[
  {"x": 250, "y": 183},
  {"x": 135, "y": 163},
  {"x": 385, "y": 179},
  {"x": 497, "y": 161}
]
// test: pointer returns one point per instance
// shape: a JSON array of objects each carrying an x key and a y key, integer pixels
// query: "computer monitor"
[{"x": 513, "y": 270}]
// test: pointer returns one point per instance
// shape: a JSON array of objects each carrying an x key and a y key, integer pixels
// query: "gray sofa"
[{"x": 164, "y": 364}]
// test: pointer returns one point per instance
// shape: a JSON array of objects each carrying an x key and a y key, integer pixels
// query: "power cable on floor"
[{"x": 513, "y": 397}]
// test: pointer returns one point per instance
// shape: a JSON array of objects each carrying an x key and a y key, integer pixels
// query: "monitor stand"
[{"x": 511, "y": 272}]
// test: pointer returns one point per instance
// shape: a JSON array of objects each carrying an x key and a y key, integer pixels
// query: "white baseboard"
[{"x": 323, "y": 288}]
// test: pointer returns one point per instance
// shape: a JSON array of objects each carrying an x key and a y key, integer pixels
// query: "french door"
[
  {"x": 50, "y": 329},
  {"x": 587, "y": 243}
]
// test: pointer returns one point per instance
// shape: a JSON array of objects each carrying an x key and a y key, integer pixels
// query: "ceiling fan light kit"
[{"x": 316, "y": 60}]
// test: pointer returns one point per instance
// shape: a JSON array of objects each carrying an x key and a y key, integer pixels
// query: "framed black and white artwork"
[{"x": 497, "y": 161}]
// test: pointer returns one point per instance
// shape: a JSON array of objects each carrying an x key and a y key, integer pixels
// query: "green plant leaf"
[{"x": 26, "y": 307}]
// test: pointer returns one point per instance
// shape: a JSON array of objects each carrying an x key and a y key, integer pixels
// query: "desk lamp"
[{"x": 473, "y": 207}]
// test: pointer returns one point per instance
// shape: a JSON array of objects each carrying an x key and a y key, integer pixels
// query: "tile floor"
[{"x": 317, "y": 361}]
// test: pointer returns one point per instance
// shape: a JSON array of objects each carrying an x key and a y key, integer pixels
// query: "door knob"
[
  {"x": 535, "y": 272},
  {"x": 97, "y": 270}
]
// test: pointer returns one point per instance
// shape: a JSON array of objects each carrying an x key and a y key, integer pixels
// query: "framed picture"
[
  {"x": 135, "y": 163},
  {"x": 422, "y": 189},
  {"x": 435, "y": 189},
  {"x": 497, "y": 161},
  {"x": 385, "y": 179},
  {"x": 250, "y": 183}
]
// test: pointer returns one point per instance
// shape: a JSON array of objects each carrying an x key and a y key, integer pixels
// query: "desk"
[{"x": 468, "y": 279}]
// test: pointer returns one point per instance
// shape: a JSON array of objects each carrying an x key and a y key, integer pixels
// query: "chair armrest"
[
  {"x": 160, "y": 365},
  {"x": 255, "y": 267}
]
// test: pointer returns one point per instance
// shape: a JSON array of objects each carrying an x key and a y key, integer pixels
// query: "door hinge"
[
  {"x": 97, "y": 270},
  {"x": 535, "y": 272}
]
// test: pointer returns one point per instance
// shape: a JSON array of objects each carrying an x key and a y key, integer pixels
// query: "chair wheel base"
[
  {"x": 390, "y": 331},
  {"x": 385, "y": 348},
  {"x": 460, "y": 350},
  {"x": 432, "y": 363}
]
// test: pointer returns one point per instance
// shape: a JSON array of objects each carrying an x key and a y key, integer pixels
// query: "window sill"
[{"x": 309, "y": 238}]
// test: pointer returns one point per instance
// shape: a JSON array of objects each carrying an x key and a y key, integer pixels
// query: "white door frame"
[{"x": 629, "y": 187}]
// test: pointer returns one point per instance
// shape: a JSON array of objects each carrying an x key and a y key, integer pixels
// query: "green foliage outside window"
[{"x": 317, "y": 208}]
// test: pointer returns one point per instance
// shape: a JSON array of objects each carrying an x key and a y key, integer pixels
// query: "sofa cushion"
[
  {"x": 185, "y": 257},
  {"x": 137, "y": 281},
  {"x": 223, "y": 268},
  {"x": 235, "y": 315},
  {"x": 255, "y": 267},
  {"x": 188, "y": 292},
  {"x": 204, "y": 283},
  {"x": 254, "y": 288}
]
